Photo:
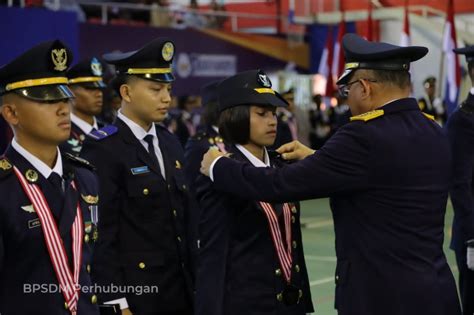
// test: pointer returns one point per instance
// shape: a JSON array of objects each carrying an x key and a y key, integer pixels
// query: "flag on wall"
[
  {"x": 326, "y": 63},
  {"x": 405, "y": 39},
  {"x": 452, "y": 73},
  {"x": 338, "y": 59}
]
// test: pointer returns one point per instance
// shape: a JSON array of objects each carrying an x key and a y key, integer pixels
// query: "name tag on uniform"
[
  {"x": 140, "y": 170},
  {"x": 34, "y": 223}
]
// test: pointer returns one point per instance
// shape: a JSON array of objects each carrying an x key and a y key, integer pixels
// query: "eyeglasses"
[{"x": 344, "y": 89}]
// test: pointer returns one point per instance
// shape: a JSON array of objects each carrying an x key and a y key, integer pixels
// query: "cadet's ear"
[
  {"x": 367, "y": 90},
  {"x": 9, "y": 111},
  {"x": 125, "y": 90}
]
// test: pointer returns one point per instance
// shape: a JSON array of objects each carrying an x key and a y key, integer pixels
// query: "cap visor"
[
  {"x": 344, "y": 78},
  {"x": 160, "y": 77},
  {"x": 91, "y": 85},
  {"x": 55, "y": 92},
  {"x": 275, "y": 100}
]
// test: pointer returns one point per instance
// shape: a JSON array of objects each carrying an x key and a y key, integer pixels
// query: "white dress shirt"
[
  {"x": 83, "y": 125},
  {"x": 255, "y": 162},
  {"x": 140, "y": 134},
  {"x": 39, "y": 165}
]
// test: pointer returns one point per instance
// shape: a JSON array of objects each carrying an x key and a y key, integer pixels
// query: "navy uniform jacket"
[
  {"x": 24, "y": 258},
  {"x": 460, "y": 130},
  {"x": 238, "y": 269},
  {"x": 142, "y": 238},
  {"x": 195, "y": 149},
  {"x": 388, "y": 204}
]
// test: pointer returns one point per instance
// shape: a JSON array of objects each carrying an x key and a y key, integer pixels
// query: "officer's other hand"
[
  {"x": 294, "y": 150},
  {"x": 211, "y": 154},
  {"x": 470, "y": 258},
  {"x": 127, "y": 311}
]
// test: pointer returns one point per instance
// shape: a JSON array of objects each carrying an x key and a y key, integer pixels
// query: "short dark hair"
[
  {"x": 399, "y": 78},
  {"x": 119, "y": 80},
  {"x": 234, "y": 124}
]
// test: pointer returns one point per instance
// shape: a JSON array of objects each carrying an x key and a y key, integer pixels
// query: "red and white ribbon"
[
  {"x": 68, "y": 281},
  {"x": 284, "y": 255}
]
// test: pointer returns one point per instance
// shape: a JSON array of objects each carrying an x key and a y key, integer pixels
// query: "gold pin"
[
  {"x": 178, "y": 165},
  {"x": 90, "y": 199},
  {"x": 5, "y": 165},
  {"x": 31, "y": 176}
]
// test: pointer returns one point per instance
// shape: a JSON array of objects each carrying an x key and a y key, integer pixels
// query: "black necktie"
[
  {"x": 151, "y": 149},
  {"x": 57, "y": 183}
]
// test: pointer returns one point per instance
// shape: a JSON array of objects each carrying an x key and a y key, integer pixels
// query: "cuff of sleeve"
[
  {"x": 211, "y": 169},
  {"x": 122, "y": 302}
]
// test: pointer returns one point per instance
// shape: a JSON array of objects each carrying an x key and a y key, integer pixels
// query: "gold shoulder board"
[
  {"x": 369, "y": 115},
  {"x": 430, "y": 117}
]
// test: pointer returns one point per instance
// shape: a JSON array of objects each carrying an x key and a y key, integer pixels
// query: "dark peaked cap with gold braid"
[
  {"x": 39, "y": 73},
  {"x": 152, "y": 61},
  {"x": 362, "y": 54}
]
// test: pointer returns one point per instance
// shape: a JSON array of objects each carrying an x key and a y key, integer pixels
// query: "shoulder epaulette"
[
  {"x": 79, "y": 161},
  {"x": 369, "y": 115},
  {"x": 430, "y": 117},
  {"x": 103, "y": 133},
  {"x": 421, "y": 104},
  {"x": 200, "y": 135},
  {"x": 5, "y": 167}
]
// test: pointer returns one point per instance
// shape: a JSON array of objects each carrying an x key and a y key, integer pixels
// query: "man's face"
[
  {"x": 88, "y": 101},
  {"x": 430, "y": 88},
  {"x": 150, "y": 100},
  {"x": 290, "y": 98},
  {"x": 358, "y": 91},
  {"x": 48, "y": 122}
]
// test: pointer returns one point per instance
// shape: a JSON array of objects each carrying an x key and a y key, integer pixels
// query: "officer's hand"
[
  {"x": 126, "y": 311},
  {"x": 294, "y": 150},
  {"x": 212, "y": 154},
  {"x": 470, "y": 258}
]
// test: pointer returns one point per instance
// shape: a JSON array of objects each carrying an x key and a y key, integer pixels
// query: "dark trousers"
[{"x": 466, "y": 283}]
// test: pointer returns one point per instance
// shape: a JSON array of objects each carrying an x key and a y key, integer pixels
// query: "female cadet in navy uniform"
[
  {"x": 251, "y": 260},
  {"x": 144, "y": 195},
  {"x": 388, "y": 204},
  {"x": 48, "y": 208}
]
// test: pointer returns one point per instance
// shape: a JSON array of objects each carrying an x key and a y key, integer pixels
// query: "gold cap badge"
[
  {"x": 59, "y": 58},
  {"x": 167, "y": 52}
]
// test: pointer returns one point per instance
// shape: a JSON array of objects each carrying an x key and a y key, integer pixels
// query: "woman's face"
[{"x": 263, "y": 125}]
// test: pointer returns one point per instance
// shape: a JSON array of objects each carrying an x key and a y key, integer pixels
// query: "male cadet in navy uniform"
[
  {"x": 388, "y": 201},
  {"x": 207, "y": 136},
  {"x": 85, "y": 81},
  {"x": 460, "y": 130},
  {"x": 144, "y": 195},
  {"x": 48, "y": 208}
]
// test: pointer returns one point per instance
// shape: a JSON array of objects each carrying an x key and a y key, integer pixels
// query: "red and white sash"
[
  {"x": 284, "y": 255},
  {"x": 68, "y": 281}
]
